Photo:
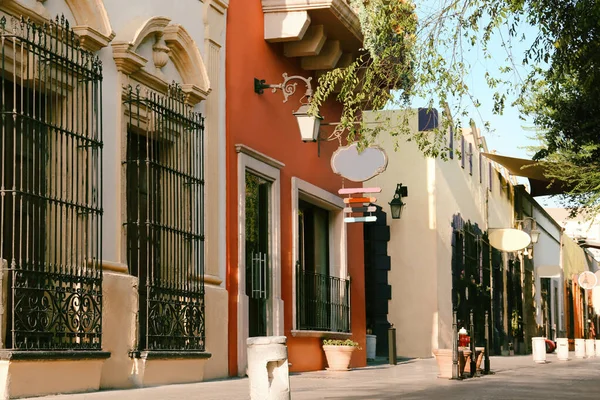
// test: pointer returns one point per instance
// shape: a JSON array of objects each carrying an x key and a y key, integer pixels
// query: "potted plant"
[{"x": 338, "y": 353}]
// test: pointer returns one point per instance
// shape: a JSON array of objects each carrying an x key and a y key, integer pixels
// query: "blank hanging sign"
[{"x": 357, "y": 166}]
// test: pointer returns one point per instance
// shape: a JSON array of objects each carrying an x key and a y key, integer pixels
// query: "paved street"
[{"x": 514, "y": 378}]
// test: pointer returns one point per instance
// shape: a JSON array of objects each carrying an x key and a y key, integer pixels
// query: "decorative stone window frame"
[
  {"x": 338, "y": 259},
  {"x": 268, "y": 169},
  {"x": 171, "y": 41},
  {"x": 92, "y": 24}
]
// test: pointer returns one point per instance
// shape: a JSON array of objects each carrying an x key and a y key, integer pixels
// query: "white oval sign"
[
  {"x": 509, "y": 239},
  {"x": 358, "y": 167},
  {"x": 587, "y": 280}
]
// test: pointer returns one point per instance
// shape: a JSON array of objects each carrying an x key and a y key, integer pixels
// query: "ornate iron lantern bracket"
[{"x": 287, "y": 88}]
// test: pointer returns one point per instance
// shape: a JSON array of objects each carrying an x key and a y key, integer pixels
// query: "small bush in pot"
[{"x": 338, "y": 353}]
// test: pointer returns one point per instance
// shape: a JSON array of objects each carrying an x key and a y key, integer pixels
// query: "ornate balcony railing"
[{"x": 322, "y": 302}]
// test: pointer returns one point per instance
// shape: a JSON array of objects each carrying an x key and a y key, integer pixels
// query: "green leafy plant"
[
  {"x": 340, "y": 342},
  {"x": 386, "y": 63}
]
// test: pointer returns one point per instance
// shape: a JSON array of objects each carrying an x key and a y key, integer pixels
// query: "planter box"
[{"x": 338, "y": 357}]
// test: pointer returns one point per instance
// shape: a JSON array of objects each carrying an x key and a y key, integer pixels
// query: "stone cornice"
[
  {"x": 220, "y": 5},
  {"x": 91, "y": 39},
  {"x": 20, "y": 10},
  {"x": 126, "y": 60},
  {"x": 340, "y": 8}
]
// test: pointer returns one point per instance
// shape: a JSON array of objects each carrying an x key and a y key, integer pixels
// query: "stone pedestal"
[
  {"x": 539, "y": 349},
  {"x": 580, "y": 348},
  {"x": 268, "y": 371},
  {"x": 562, "y": 349}
]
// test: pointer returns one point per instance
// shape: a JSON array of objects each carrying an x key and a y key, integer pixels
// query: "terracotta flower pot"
[
  {"x": 338, "y": 357},
  {"x": 444, "y": 362}
]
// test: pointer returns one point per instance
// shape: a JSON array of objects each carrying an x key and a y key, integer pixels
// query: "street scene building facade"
[
  {"x": 113, "y": 122},
  {"x": 294, "y": 267},
  {"x": 158, "y": 207}
]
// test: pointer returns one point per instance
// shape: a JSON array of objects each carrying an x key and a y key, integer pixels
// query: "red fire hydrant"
[{"x": 463, "y": 338}]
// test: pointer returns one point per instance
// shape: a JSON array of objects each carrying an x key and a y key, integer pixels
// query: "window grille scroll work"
[
  {"x": 50, "y": 189},
  {"x": 165, "y": 214}
]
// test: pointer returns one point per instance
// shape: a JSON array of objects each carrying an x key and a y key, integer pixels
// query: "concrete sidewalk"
[{"x": 414, "y": 379}]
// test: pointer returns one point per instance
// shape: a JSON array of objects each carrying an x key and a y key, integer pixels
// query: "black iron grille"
[
  {"x": 51, "y": 186},
  {"x": 322, "y": 302},
  {"x": 165, "y": 231}
]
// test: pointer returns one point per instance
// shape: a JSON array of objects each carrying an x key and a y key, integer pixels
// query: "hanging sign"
[
  {"x": 358, "y": 201},
  {"x": 587, "y": 280},
  {"x": 359, "y": 167},
  {"x": 508, "y": 239}
]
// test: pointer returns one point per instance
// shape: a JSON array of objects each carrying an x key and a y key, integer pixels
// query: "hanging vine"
[
  {"x": 404, "y": 59},
  {"x": 387, "y": 62}
]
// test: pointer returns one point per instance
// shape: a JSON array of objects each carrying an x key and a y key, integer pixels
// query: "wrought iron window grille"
[
  {"x": 51, "y": 188},
  {"x": 165, "y": 217},
  {"x": 322, "y": 302}
]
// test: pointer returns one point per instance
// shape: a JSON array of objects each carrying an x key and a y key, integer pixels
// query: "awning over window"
[{"x": 533, "y": 171}]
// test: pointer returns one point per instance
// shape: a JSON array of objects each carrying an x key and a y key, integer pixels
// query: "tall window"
[
  {"x": 50, "y": 194},
  {"x": 258, "y": 268},
  {"x": 165, "y": 232},
  {"x": 322, "y": 300}
]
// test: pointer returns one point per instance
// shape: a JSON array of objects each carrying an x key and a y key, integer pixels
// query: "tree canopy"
[{"x": 407, "y": 58}]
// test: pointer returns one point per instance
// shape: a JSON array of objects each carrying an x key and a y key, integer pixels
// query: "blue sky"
[{"x": 508, "y": 134}]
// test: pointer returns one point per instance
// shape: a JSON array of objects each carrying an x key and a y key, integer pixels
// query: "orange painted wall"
[{"x": 265, "y": 123}]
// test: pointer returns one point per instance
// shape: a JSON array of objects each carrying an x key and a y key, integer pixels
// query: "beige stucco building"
[
  {"x": 443, "y": 197},
  {"x": 117, "y": 129}
]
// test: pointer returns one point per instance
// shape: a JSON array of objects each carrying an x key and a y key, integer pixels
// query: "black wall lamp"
[{"x": 397, "y": 205}]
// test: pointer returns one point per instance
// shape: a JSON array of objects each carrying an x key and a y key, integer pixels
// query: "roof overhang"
[
  {"x": 532, "y": 170},
  {"x": 324, "y": 34}
]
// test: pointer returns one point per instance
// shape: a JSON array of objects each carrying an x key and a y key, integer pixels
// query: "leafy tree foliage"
[
  {"x": 405, "y": 59},
  {"x": 566, "y": 104}
]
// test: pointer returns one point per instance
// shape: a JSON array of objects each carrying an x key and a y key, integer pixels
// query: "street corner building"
[
  {"x": 111, "y": 209},
  {"x": 294, "y": 268}
]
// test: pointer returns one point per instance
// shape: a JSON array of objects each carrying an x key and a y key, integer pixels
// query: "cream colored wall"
[
  {"x": 412, "y": 247},
  {"x": 119, "y": 328},
  {"x": 216, "y": 332},
  {"x": 98, "y": 21},
  {"x": 420, "y": 244},
  {"x": 37, "y": 378},
  {"x": 206, "y": 23}
]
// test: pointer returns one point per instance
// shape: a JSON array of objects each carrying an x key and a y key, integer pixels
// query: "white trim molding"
[{"x": 265, "y": 167}]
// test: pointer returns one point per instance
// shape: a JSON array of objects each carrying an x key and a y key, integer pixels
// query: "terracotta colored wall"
[{"x": 265, "y": 123}]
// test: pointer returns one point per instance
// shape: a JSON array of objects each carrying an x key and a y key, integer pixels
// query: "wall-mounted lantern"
[
  {"x": 397, "y": 205},
  {"x": 534, "y": 233},
  {"x": 309, "y": 125}
]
